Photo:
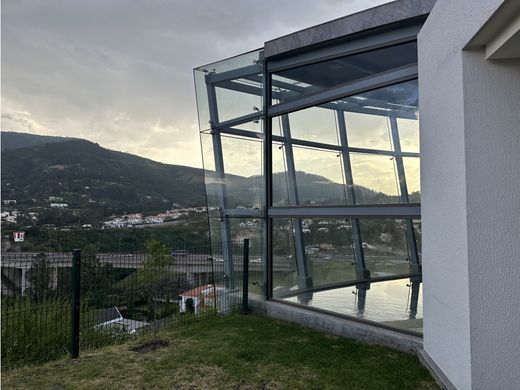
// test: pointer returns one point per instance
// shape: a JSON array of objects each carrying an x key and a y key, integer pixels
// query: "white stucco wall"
[
  {"x": 492, "y": 124},
  {"x": 470, "y": 170}
]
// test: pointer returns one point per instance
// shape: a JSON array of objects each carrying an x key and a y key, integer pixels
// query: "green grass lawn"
[{"x": 233, "y": 352}]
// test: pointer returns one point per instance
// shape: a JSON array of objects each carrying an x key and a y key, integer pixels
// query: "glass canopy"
[{"x": 318, "y": 164}]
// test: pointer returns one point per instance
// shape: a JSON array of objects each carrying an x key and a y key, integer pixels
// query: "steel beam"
[
  {"x": 375, "y": 81},
  {"x": 234, "y": 74},
  {"x": 350, "y": 283},
  {"x": 394, "y": 211},
  {"x": 415, "y": 287},
  {"x": 225, "y": 228},
  {"x": 304, "y": 279},
  {"x": 409, "y": 230},
  {"x": 350, "y": 198},
  {"x": 313, "y": 144},
  {"x": 236, "y": 121},
  {"x": 345, "y": 103}
]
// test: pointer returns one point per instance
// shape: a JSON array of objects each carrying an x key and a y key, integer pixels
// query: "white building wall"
[
  {"x": 492, "y": 106},
  {"x": 470, "y": 170}
]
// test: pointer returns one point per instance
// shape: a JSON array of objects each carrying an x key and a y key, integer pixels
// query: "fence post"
[
  {"x": 245, "y": 277},
  {"x": 75, "y": 286}
]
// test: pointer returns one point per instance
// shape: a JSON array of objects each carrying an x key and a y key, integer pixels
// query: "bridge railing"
[{"x": 58, "y": 304}]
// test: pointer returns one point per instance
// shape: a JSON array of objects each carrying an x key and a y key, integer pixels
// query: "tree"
[
  {"x": 97, "y": 279},
  {"x": 153, "y": 271},
  {"x": 39, "y": 279}
]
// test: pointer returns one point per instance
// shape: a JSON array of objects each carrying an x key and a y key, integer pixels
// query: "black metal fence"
[{"x": 55, "y": 304}]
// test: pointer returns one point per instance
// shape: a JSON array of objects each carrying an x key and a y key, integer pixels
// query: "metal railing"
[{"x": 55, "y": 304}]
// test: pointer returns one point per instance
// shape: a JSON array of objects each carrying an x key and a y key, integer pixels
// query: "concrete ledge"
[
  {"x": 351, "y": 329},
  {"x": 337, "y": 325}
]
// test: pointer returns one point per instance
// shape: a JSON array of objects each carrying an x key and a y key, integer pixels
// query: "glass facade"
[{"x": 318, "y": 164}]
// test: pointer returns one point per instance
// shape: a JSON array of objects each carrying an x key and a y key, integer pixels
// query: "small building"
[
  {"x": 59, "y": 205},
  {"x": 207, "y": 296}
]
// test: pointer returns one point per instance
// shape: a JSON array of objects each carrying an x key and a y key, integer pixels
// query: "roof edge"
[{"x": 393, "y": 12}]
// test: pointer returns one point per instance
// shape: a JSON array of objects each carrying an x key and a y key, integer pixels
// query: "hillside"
[
  {"x": 12, "y": 140},
  {"x": 96, "y": 182},
  {"x": 87, "y": 175}
]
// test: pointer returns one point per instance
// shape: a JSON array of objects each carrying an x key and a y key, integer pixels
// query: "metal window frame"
[
  {"x": 405, "y": 211},
  {"x": 335, "y": 99}
]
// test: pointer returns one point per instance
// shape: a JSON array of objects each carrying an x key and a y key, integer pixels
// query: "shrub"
[{"x": 38, "y": 332}]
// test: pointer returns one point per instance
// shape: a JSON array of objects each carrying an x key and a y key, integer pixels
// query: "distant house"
[
  {"x": 9, "y": 201},
  {"x": 206, "y": 296},
  {"x": 59, "y": 205},
  {"x": 18, "y": 236}
]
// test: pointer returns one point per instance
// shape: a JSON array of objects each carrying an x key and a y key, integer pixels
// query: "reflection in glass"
[
  {"x": 357, "y": 150},
  {"x": 319, "y": 177},
  {"x": 408, "y": 134},
  {"x": 313, "y": 124},
  {"x": 384, "y": 247},
  {"x": 329, "y": 251},
  {"x": 396, "y": 303},
  {"x": 368, "y": 131},
  {"x": 243, "y": 166},
  {"x": 305, "y": 80},
  {"x": 232, "y": 104},
  {"x": 375, "y": 178},
  {"x": 412, "y": 168}
]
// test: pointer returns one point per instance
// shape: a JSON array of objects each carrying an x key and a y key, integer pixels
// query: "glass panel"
[
  {"x": 231, "y": 103},
  {"x": 297, "y": 82},
  {"x": 390, "y": 303},
  {"x": 280, "y": 179},
  {"x": 241, "y": 228},
  {"x": 328, "y": 253},
  {"x": 210, "y": 180},
  {"x": 399, "y": 100},
  {"x": 314, "y": 124},
  {"x": 319, "y": 177},
  {"x": 331, "y": 265},
  {"x": 412, "y": 171},
  {"x": 368, "y": 131},
  {"x": 417, "y": 226},
  {"x": 243, "y": 166},
  {"x": 384, "y": 247},
  {"x": 408, "y": 134},
  {"x": 375, "y": 179}
]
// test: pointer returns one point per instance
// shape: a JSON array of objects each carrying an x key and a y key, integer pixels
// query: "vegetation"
[
  {"x": 192, "y": 232},
  {"x": 240, "y": 352},
  {"x": 38, "y": 332},
  {"x": 96, "y": 183},
  {"x": 96, "y": 180}
]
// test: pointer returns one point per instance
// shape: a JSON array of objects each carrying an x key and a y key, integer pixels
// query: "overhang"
[{"x": 374, "y": 18}]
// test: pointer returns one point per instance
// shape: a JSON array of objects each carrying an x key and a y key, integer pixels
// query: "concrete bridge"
[{"x": 15, "y": 266}]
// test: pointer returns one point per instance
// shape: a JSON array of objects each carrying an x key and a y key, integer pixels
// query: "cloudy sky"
[{"x": 120, "y": 72}]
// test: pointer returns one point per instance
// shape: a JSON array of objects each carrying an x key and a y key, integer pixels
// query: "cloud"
[{"x": 119, "y": 72}]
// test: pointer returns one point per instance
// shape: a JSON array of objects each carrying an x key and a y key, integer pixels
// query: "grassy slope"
[{"x": 233, "y": 352}]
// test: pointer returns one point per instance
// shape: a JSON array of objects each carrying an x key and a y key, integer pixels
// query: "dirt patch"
[{"x": 150, "y": 346}]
